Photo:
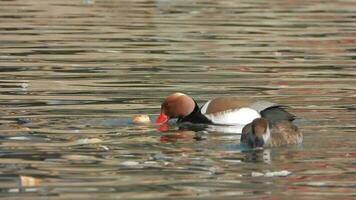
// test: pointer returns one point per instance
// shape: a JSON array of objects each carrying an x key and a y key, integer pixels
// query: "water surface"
[{"x": 73, "y": 73}]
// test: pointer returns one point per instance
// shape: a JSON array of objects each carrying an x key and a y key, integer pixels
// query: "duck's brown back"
[
  {"x": 285, "y": 133},
  {"x": 222, "y": 104}
]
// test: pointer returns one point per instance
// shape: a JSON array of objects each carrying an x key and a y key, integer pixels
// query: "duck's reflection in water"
[
  {"x": 188, "y": 133},
  {"x": 257, "y": 155}
]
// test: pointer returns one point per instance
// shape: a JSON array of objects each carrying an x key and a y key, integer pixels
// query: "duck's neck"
[{"x": 195, "y": 117}]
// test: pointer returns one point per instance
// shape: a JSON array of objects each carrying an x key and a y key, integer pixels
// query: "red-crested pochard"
[
  {"x": 261, "y": 133},
  {"x": 220, "y": 111}
]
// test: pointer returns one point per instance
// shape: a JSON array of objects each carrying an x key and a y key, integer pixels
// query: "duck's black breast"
[{"x": 196, "y": 117}]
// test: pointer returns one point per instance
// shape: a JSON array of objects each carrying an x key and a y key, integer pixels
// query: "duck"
[
  {"x": 262, "y": 133},
  {"x": 226, "y": 110}
]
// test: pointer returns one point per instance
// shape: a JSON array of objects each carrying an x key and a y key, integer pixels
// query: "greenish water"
[{"x": 73, "y": 73}]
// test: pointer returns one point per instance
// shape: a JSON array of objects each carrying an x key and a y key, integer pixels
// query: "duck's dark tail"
[
  {"x": 277, "y": 113},
  {"x": 272, "y": 112}
]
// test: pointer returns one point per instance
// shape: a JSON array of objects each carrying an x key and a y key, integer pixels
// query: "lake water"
[{"x": 74, "y": 72}]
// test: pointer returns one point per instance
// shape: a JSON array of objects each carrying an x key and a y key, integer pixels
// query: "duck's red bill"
[{"x": 162, "y": 118}]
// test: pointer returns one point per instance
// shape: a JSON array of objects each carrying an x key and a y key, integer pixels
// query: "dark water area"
[{"x": 74, "y": 72}]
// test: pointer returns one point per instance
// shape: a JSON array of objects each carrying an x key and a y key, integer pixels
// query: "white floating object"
[
  {"x": 24, "y": 85},
  {"x": 106, "y": 148},
  {"x": 19, "y": 138},
  {"x": 87, "y": 141},
  {"x": 282, "y": 173},
  {"x": 130, "y": 163},
  {"x": 257, "y": 174}
]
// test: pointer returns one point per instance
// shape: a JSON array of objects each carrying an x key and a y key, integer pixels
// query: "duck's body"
[
  {"x": 262, "y": 123},
  {"x": 261, "y": 133},
  {"x": 234, "y": 110},
  {"x": 220, "y": 111},
  {"x": 229, "y": 111}
]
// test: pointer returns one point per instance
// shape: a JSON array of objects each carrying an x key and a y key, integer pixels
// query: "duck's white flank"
[{"x": 240, "y": 116}]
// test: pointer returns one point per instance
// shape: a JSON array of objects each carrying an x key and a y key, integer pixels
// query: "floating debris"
[
  {"x": 216, "y": 170},
  {"x": 271, "y": 174},
  {"x": 29, "y": 181},
  {"x": 24, "y": 85},
  {"x": 87, "y": 141},
  {"x": 19, "y": 138},
  {"x": 106, "y": 148},
  {"x": 141, "y": 119},
  {"x": 130, "y": 163}
]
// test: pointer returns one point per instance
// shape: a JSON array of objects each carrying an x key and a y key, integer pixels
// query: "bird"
[
  {"x": 262, "y": 133},
  {"x": 226, "y": 110}
]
